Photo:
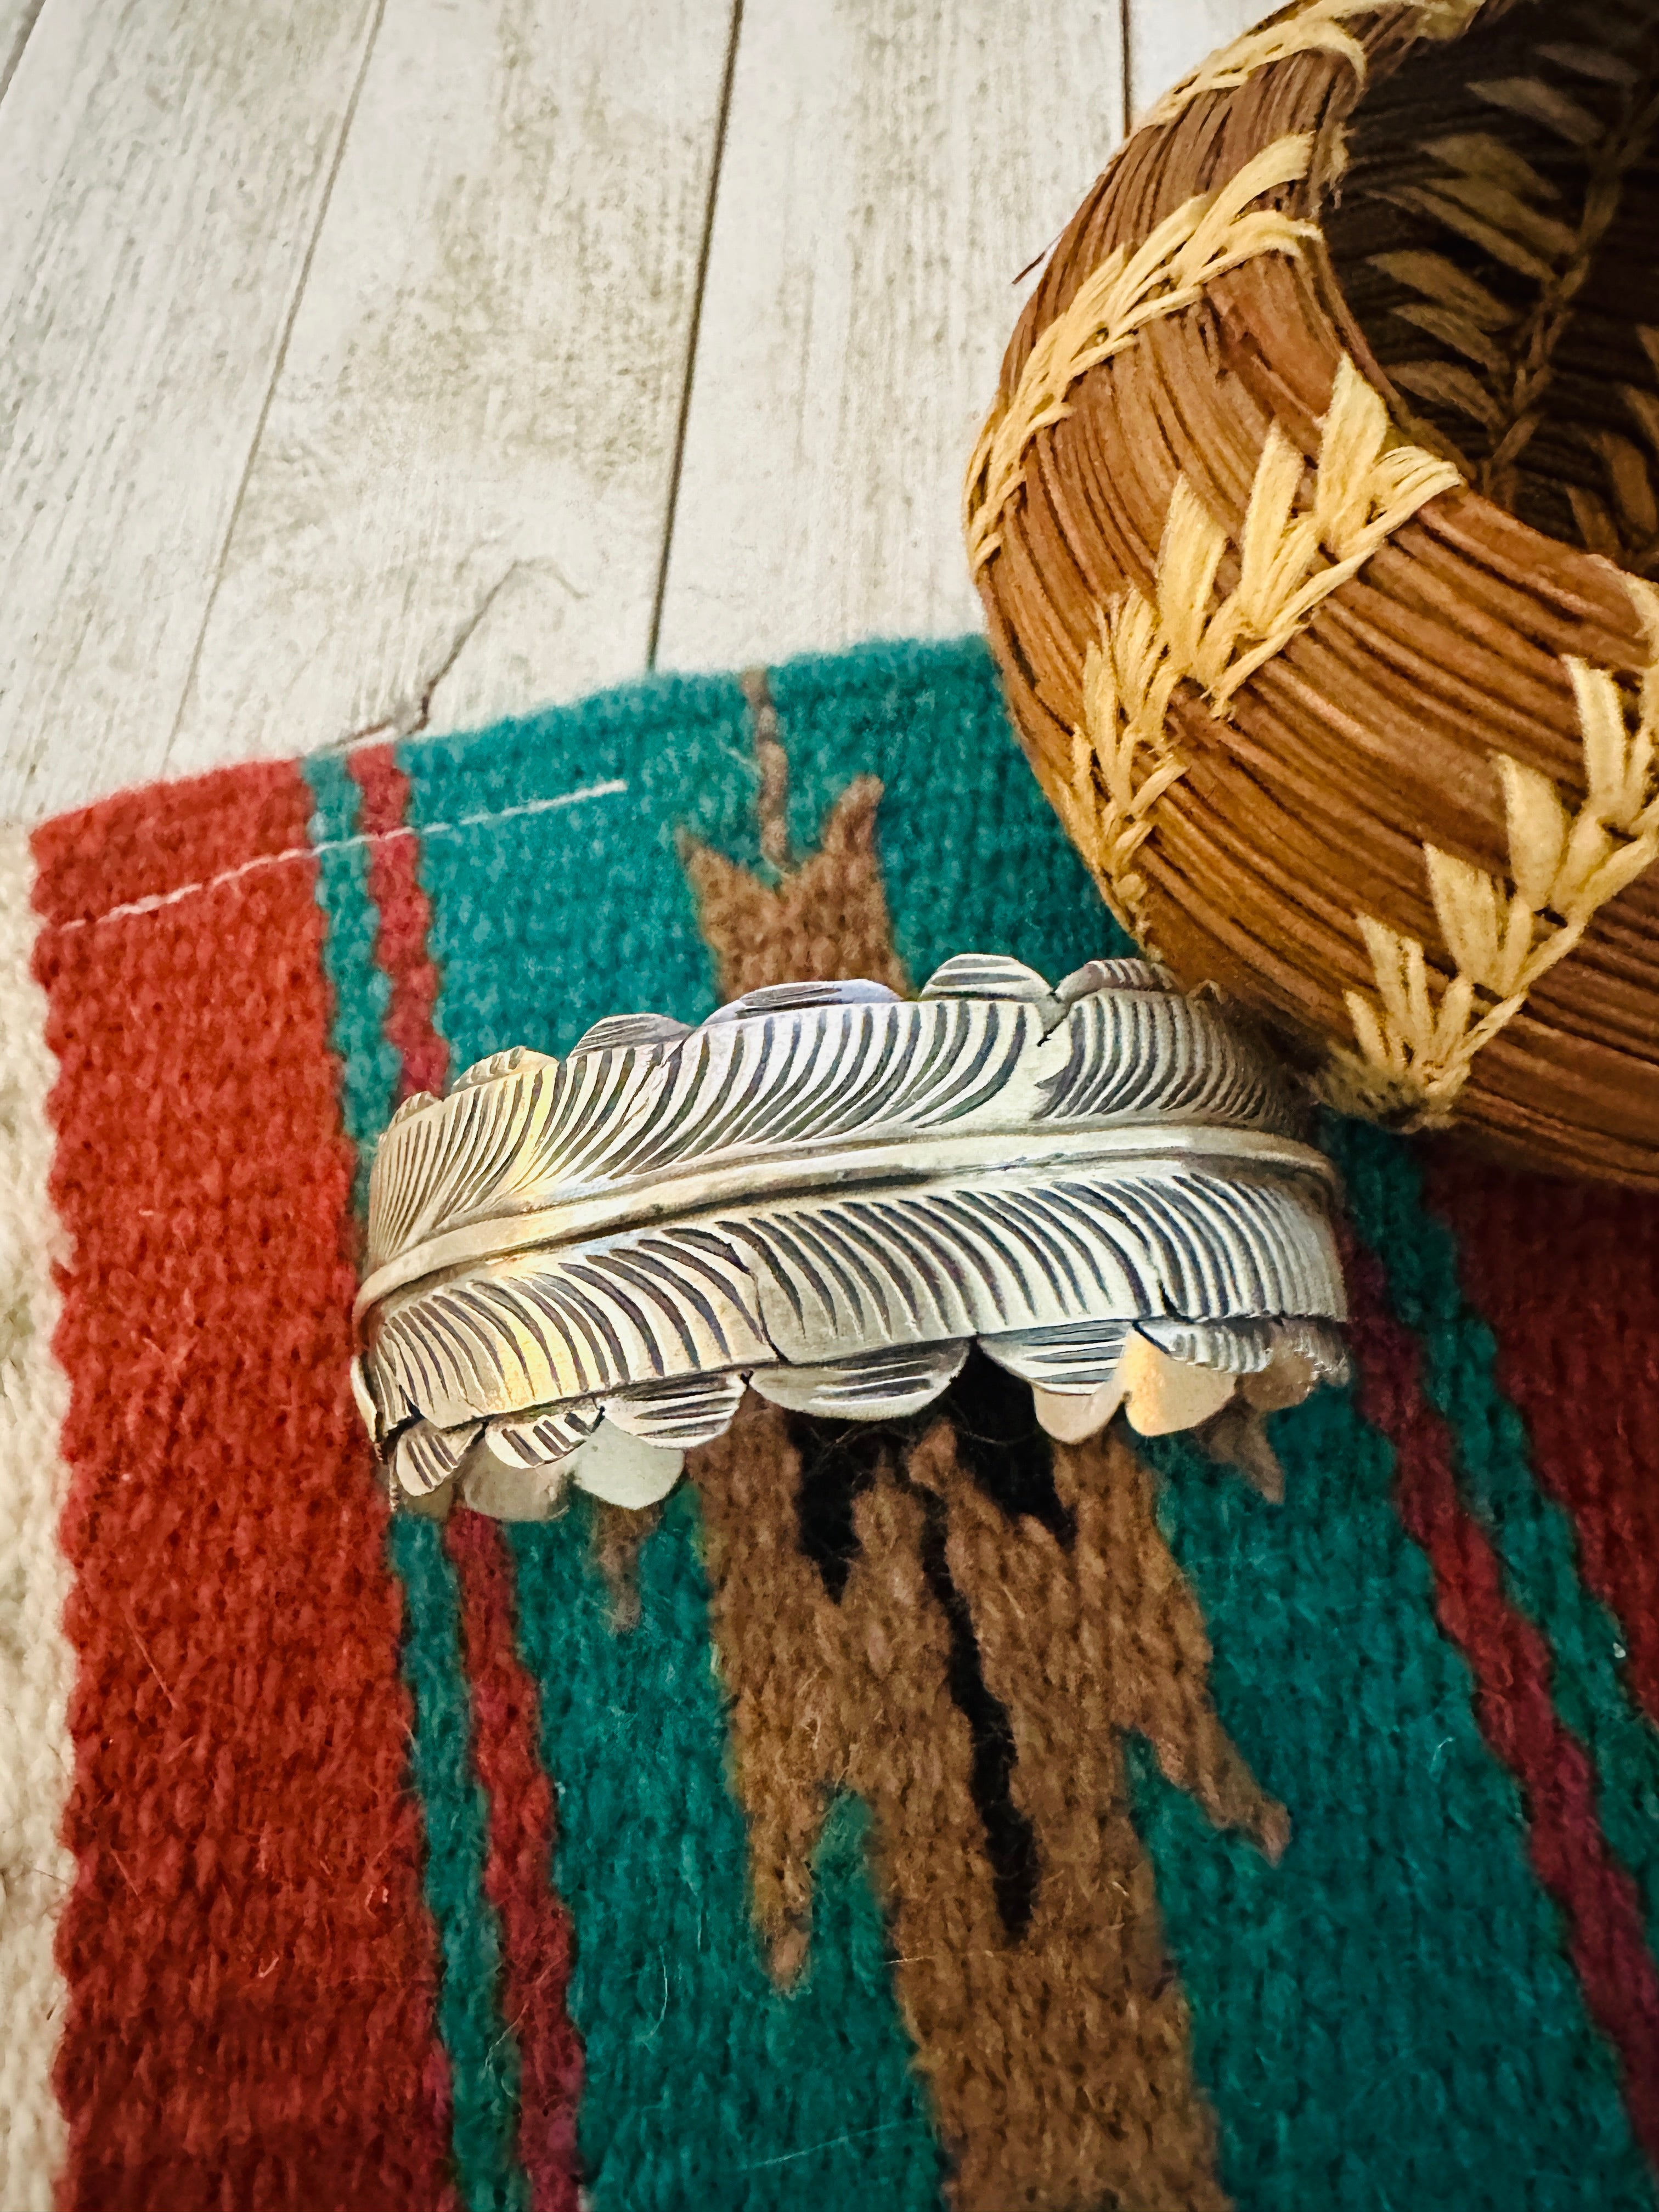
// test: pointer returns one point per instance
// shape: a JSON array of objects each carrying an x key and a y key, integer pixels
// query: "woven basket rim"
[{"x": 1206, "y": 232}]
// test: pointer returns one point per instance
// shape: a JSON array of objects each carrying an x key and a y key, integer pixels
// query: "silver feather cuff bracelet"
[{"x": 830, "y": 1194}]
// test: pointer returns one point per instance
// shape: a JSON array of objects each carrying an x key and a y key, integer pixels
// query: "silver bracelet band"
[{"x": 576, "y": 1265}]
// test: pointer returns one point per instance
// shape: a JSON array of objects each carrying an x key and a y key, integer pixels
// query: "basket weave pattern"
[{"x": 1313, "y": 522}]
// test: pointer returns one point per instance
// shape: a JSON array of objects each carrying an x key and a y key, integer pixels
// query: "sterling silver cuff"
[{"x": 830, "y": 1193}]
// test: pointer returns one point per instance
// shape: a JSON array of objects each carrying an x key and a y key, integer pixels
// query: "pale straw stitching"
[{"x": 157, "y": 900}]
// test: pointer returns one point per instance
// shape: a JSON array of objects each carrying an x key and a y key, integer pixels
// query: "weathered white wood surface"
[
  {"x": 16, "y": 22},
  {"x": 161, "y": 170},
  {"x": 345, "y": 345},
  {"x": 889, "y": 172},
  {"x": 467, "y": 459},
  {"x": 1167, "y": 38}
]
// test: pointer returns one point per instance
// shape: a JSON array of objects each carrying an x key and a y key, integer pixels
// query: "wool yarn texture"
[
  {"x": 913, "y": 1814},
  {"x": 1315, "y": 522}
]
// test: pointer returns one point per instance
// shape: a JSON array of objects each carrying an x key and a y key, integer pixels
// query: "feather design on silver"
[{"x": 834, "y": 1192}]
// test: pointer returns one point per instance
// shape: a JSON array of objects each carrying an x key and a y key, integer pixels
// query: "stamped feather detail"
[
  {"x": 537, "y": 1132},
  {"x": 832, "y": 1192}
]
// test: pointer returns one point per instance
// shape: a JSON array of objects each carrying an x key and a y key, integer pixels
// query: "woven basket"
[{"x": 1314, "y": 520}]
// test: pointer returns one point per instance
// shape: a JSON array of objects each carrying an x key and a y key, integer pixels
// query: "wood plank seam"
[
  {"x": 301, "y": 279},
  {"x": 31, "y": 15},
  {"x": 419, "y": 717},
  {"x": 678, "y": 459},
  {"x": 884, "y": 175},
  {"x": 1127, "y": 64}
]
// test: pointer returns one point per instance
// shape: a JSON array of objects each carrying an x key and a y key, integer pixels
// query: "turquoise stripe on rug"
[
  {"x": 1319, "y": 1607},
  {"x": 1329, "y": 1671},
  {"x": 368, "y": 1064},
  {"x": 1534, "y": 1535},
  {"x": 1404, "y": 1917},
  {"x": 975, "y": 858},
  {"x": 483, "y": 2053},
  {"x": 704, "y": 2083}
]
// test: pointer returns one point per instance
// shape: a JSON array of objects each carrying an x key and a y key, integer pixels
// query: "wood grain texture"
[
  {"x": 17, "y": 20},
  {"x": 887, "y": 174},
  {"x": 344, "y": 347},
  {"x": 456, "y": 509},
  {"x": 163, "y": 167},
  {"x": 1167, "y": 38}
]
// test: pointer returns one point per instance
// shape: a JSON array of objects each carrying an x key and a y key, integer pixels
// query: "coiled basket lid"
[{"x": 1315, "y": 519}]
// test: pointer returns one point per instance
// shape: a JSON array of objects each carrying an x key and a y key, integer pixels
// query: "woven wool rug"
[{"x": 898, "y": 1817}]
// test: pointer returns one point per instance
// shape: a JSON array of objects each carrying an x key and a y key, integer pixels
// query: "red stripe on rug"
[
  {"x": 1567, "y": 1275},
  {"x": 400, "y": 946},
  {"x": 536, "y": 1934},
  {"x": 252, "y": 1969},
  {"x": 139, "y": 847},
  {"x": 1512, "y": 1665}
]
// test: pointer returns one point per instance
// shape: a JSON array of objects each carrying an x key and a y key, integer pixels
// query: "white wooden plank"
[
  {"x": 16, "y": 22},
  {"x": 466, "y": 463},
  {"x": 162, "y": 166},
  {"x": 887, "y": 173},
  {"x": 1167, "y": 38}
]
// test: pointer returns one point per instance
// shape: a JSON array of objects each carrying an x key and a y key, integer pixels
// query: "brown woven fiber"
[{"x": 1316, "y": 520}]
